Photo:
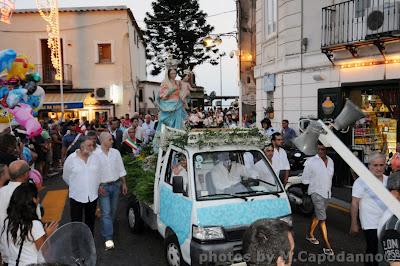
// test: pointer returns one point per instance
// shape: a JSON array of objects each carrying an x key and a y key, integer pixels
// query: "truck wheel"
[
  {"x": 173, "y": 251},
  {"x": 135, "y": 223}
]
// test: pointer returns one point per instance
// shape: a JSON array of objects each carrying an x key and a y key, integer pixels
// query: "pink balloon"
[
  {"x": 23, "y": 115},
  {"x": 36, "y": 177}
]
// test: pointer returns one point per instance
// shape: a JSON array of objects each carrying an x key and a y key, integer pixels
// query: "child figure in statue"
[{"x": 186, "y": 88}]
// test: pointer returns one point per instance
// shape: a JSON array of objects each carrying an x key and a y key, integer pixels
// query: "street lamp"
[{"x": 220, "y": 72}]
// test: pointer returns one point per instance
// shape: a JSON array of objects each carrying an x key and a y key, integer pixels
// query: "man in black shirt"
[{"x": 389, "y": 227}]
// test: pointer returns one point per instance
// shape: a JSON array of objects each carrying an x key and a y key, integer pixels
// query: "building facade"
[
  {"x": 311, "y": 53},
  {"x": 246, "y": 21},
  {"x": 103, "y": 56}
]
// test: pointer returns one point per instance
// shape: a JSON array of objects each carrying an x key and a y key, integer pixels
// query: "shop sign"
[{"x": 57, "y": 106}]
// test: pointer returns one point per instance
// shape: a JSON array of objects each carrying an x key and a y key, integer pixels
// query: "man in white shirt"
[
  {"x": 82, "y": 173},
  {"x": 112, "y": 182},
  {"x": 280, "y": 162},
  {"x": 367, "y": 206},
  {"x": 318, "y": 173},
  {"x": 19, "y": 173},
  {"x": 226, "y": 173},
  {"x": 148, "y": 129}
]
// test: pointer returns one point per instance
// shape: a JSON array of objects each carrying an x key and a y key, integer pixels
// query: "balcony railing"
[
  {"x": 357, "y": 21},
  {"x": 48, "y": 73}
]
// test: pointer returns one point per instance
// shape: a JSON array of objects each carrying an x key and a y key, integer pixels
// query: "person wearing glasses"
[
  {"x": 280, "y": 162},
  {"x": 367, "y": 206},
  {"x": 82, "y": 172},
  {"x": 318, "y": 173}
]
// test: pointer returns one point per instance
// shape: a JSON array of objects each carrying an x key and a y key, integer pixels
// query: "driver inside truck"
[
  {"x": 227, "y": 173},
  {"x": 180, "y": 169}
]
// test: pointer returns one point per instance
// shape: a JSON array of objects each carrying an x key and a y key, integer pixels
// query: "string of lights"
[
  {"x": 48, "y": 10},
  {"x": 370, "y": 63}
]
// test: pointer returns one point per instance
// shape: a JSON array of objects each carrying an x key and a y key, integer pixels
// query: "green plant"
[{"x": 140, "y": 181}]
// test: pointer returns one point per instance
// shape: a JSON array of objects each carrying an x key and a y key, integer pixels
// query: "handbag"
[{"x": 19, "y": 253}]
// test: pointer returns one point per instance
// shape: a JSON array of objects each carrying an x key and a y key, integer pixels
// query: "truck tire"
[
  {"x": 173, "y": 253},
  {"x": 135, "y": 223}
]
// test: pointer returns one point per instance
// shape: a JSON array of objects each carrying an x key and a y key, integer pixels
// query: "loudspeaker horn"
[
  {"x": 307, "y": 142},
  {"x": 350, "y": 114}
]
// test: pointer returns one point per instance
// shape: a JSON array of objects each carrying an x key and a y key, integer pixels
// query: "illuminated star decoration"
[
  {"x": 48, "y": 10},
  {"x": 7, "y": 7}
]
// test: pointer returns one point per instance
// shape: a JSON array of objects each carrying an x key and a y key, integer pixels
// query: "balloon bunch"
[{"x": 20, "y": 96}]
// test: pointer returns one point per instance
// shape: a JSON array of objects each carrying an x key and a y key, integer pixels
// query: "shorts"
[{"x": 320, "y": 205}]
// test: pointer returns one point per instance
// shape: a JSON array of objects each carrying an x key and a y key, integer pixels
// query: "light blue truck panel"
[
  {"x": 175, "y": 212},
  {"x": 242, "y": 213}
]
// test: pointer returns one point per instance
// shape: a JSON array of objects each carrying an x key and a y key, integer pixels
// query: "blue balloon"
[
  {"x": 7, "y": 57},
  {"x": 33, "y": 101},
  {"x": 3, "y": 92}
]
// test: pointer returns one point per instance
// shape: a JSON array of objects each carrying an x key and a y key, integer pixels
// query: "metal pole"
[{"x": 220, "y": 76}]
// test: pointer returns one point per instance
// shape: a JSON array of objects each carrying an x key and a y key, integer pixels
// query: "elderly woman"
[{"x": 172, "y": 111}]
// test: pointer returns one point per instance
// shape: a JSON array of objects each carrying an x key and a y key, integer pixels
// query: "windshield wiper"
[
  {"x": 226, "y": 194},
  {"x": 276, "y": 193},
  {"x": 265, "y": 182}
]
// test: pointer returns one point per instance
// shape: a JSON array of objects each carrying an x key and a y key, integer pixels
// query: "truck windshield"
[{"x": 226, "y": 174}]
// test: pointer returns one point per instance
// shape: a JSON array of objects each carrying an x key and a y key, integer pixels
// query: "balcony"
[
  {"x": 354, "y": 23},
  {"x": 47, "y": 72}
]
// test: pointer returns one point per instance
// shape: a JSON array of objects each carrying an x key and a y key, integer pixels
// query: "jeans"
[{"x": 108, "y": 208}]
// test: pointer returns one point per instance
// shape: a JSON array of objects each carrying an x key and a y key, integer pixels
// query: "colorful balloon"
[
  {"x": 7, "y": 57},
  {"x": 5, "y": 116},
  {"x": 15, "y": 96},
  {"x": 36, "y": 177},
  {"x": 23, "y": 115},
  {"x": 19, "y": 68}
]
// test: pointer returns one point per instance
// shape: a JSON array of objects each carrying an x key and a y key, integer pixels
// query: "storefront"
[
  {"x": 81, "y": 106},
  {"x": 379, "y": 100}
]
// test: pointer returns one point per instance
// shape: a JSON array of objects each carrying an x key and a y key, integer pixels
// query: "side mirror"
[{"x": 177, "y": 184}]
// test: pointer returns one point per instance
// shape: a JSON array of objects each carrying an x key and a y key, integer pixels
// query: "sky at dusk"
[{"x": 208, "y": 76}]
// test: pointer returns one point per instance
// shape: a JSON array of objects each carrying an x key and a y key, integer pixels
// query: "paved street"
[{"x": 147, "y": 248}]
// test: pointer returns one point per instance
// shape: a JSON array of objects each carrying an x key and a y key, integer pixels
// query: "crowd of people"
[{"x": 94, "y": 149}]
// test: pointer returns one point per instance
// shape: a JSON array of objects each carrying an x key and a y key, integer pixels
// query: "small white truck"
[{"x": 206, "y": 194}]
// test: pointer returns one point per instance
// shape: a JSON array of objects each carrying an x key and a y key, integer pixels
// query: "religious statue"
[{"x": 172, "y": 112}]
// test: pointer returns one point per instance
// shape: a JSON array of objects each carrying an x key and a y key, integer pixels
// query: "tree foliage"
[{"x": 177, "y": 27}]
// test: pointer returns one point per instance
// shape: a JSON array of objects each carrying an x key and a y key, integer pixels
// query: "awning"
[{"x": 71, "y": 101}]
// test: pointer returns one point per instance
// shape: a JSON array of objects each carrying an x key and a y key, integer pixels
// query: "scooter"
[{"x": 296, "y": 190}]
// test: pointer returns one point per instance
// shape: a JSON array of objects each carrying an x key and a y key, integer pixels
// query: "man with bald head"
[
  {"x": 148, "y": 129},
  {"x": 112, "y": 182},
  {"x": 19, "y": 173}
]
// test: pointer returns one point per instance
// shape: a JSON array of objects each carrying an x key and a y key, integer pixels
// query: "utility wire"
[{"x": 209, "y": 16}]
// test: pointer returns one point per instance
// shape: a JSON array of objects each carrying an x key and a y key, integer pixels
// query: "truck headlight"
[
  {"x": 287, "y": 219},
  {"x": 208, "y": 233}
]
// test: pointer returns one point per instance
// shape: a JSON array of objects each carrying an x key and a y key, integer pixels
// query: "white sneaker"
[{"x": 109, "y": 244}]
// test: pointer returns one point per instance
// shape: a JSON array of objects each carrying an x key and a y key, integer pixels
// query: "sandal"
[
  {"x": 328, "y": 251},
  {"x": 312, "y": 240}
]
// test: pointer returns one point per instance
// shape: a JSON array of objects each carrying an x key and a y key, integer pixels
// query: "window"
[
  {"x": 361, "y": 5},
  {"x": 223, "y": 174},
  {"x": 177, "y": 166},
  {"x": 140, "y": 95},
  {"x": 104, "y": 53},
  {"x": 271, "y": 14}
]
